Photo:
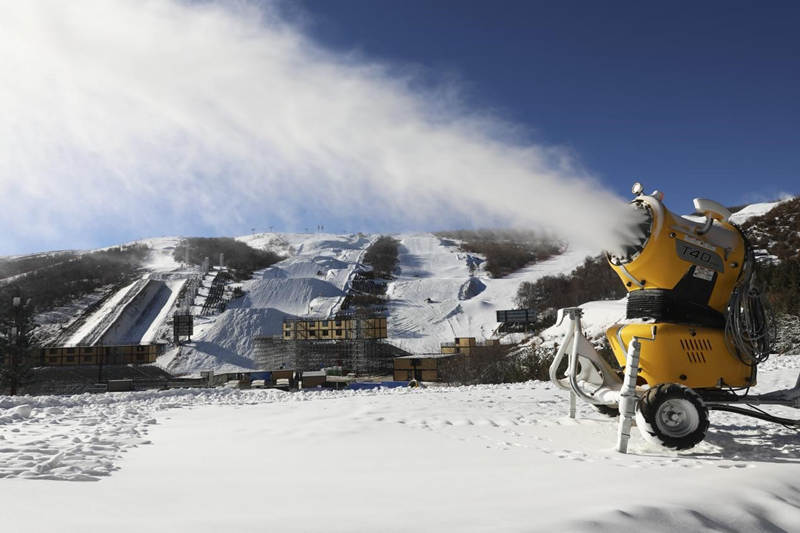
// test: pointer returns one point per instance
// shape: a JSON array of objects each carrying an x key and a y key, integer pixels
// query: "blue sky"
[{"x": 693, "y": 98}]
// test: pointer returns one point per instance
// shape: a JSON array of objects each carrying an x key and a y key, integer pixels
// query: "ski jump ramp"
[{"x": 131, "y": 316}]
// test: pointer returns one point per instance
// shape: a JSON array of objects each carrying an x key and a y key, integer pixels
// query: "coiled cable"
[{"x": 750, "y": 326}]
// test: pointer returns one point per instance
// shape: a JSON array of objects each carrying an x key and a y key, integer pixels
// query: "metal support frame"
[{"x": 589, "y": 376}]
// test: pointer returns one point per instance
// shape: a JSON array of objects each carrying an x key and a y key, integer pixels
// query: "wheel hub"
[{"x": 677, "y": 417}]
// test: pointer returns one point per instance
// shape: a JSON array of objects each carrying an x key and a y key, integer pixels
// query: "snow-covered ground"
[{"x": 481, "y": 458}]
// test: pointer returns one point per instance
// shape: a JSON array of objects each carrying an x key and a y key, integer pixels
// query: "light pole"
[{"x": 17, "y": 338}]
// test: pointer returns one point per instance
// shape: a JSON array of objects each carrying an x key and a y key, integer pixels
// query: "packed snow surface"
[{"x": 480, "y": 458}]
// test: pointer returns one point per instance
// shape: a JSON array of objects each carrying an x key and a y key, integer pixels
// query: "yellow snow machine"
[{"x": 695, "y": 332}]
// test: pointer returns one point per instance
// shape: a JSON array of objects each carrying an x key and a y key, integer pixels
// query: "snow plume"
[{"x": 127, "y": 117}]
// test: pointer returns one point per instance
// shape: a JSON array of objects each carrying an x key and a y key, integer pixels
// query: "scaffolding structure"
[
  {"x": 359, "y": 357},
  {"x": 354, "y": 341}
]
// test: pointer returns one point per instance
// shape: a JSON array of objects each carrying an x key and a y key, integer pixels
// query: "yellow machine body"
[
  {"x": 693, "y": 264},
  {"x": 695, "y": 356}
]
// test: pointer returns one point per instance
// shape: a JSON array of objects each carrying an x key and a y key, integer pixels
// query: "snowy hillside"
[
  {"x": 751, "y": 211},
  {"x": 312, "y": 282},
  {"x": 433, "y": 299},
  {"x": 439, "y": 292}
]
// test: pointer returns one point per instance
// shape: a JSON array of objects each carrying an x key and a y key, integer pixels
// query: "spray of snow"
[{"x": 167, "y": 116}]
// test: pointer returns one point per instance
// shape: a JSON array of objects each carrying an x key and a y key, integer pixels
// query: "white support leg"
[
  {"x": 573, "y": 363},
  {"x": 572, "y": 403},
  {"x": 627, "y": 400}
]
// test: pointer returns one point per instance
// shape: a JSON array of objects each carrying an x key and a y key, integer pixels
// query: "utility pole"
[
  {"x": 101, "y": 355},
  {"x": 16, "y": 304},
  {"x": 14, "y": 372}
]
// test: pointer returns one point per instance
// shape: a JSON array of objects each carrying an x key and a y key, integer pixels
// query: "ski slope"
[
  {"x": 137, "y": 312},
  {"x": 480, "y": 458},
  {"x": 133, "y": 315},
  {"x": 432, "y": 300}
]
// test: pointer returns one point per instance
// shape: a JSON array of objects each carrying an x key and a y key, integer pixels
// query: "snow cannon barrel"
[{"x": 680, "y": 268}]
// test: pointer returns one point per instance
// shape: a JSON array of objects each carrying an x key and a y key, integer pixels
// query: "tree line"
[
  {"x": 50, "y": 283},
  {"x": 241, "y": 259},
  {"x": 593, "y": 280},
  {"x": 381, "y": 255},
  {"x": 506, "y": 250}
]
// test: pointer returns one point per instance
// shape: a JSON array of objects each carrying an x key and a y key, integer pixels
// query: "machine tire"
[
  {"x": 673, "y": 416},
  {"x": 608, "y": 410}
]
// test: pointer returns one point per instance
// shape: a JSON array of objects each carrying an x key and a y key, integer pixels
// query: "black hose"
[{"x": 761, "y": 415}]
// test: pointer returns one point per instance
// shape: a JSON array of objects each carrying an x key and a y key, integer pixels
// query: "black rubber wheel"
[
  {"x": 608, "y": 410},
  {"x": 673, "y": 416}
]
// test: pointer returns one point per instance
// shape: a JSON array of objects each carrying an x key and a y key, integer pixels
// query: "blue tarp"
[
  {"x": 356, "y": 385},
  {"x": 266, "y": 376}
]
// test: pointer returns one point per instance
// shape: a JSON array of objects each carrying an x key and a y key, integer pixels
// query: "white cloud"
[{"x": 145, "y": 116}]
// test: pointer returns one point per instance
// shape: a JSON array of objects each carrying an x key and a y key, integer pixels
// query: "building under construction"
[
  {"x": 356, "y": 342},
  {"x": 99, "y": 354}
]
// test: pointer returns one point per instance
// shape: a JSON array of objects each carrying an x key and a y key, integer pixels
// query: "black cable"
[
  {"x": 756, "y": 413},
  {"x": 768, "y": 414},
  {"x": 734, "y": 391},
  {"x": 749, "y": 326}
]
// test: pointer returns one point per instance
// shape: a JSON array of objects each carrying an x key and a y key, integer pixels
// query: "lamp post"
[
  {"x": 16, "y": 340},
  {"x": 100, "y": 354}
]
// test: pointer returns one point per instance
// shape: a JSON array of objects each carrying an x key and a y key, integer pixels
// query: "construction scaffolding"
[
  {"x": 350, "y": 340},
  {"x": 359, "y": 357}
]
